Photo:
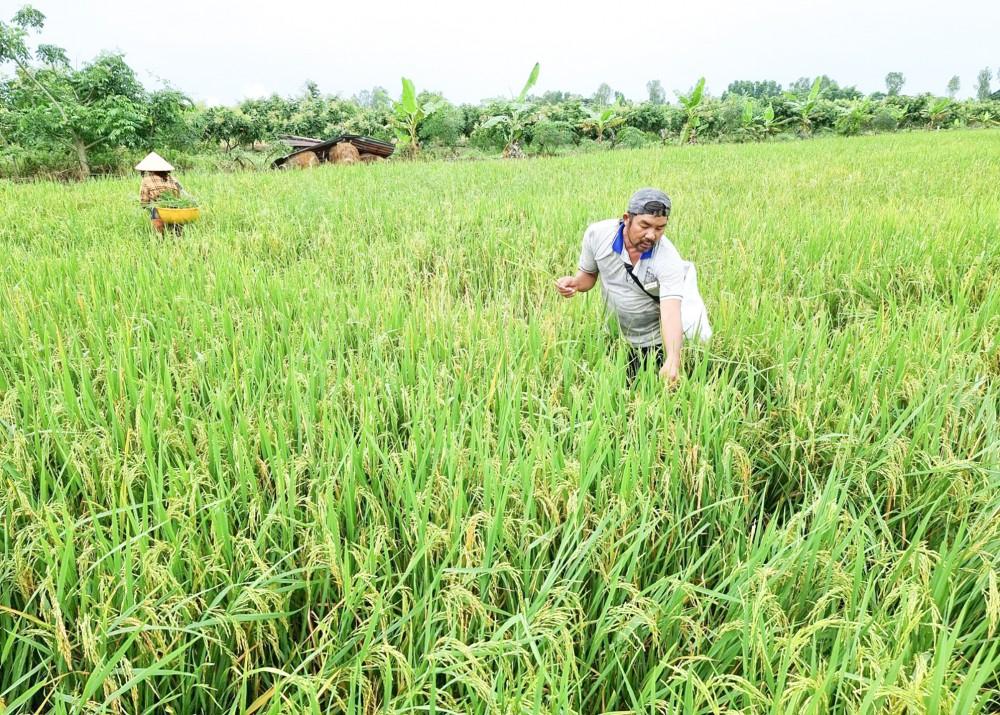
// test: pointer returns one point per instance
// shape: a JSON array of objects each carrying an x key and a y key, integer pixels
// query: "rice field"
[{"x": 341, "y": 448}]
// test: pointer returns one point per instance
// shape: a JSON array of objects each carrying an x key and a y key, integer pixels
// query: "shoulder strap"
[{"x": 628, "y": 269}]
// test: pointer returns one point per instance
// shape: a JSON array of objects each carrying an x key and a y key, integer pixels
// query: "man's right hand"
[{"x": 566, "y": 286}]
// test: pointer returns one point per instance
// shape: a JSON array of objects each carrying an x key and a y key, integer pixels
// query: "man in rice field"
[
  {"x": 644, "y": 282},
  {"x": 157, "y": 181}
]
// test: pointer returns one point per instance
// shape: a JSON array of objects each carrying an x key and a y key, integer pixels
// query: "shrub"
[
  {"x": 443, "y": 127},
  {"x": 632, "y": 138},
  {"x": 548, "y": 135},
  {"x": 885, "y": 120},
  {"x": 647, "y": 117}
]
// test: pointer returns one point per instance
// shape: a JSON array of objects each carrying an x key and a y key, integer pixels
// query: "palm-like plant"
[
  {"x": 756, "y": 126},
  {"x": 938, "y": 111},
  {"x": 513, "y": 123},
  {"x": 805, "y": 106},
  {"x": 987, "y": 119},
  {"x": 691, "y": 102},
  {"x": 853, "y": 119},
  {"x": 408, "y": 114},
  {"x": 748, "y": 129},
  {"x": 769, "y": 124},
  {"x": 602, "y": 120}
]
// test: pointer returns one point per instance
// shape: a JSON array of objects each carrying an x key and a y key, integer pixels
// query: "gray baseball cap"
[{"x": 641, "y": 198}]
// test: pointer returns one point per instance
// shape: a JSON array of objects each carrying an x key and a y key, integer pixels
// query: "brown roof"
[
  {"x": 297, "y": 142},
  {"x": 365, "y": 145}
]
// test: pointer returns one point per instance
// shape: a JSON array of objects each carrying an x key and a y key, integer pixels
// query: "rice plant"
[{"x": 342, "y": 449}]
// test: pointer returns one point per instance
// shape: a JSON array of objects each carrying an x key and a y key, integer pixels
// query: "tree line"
[{"x": 58, "y": 120}]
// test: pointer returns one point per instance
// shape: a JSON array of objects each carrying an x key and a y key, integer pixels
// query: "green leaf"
[
  {"x": 814, "y": 92},
  {"x": 409, "y": 98},
  {"x": 696, "y": 95},
  {"x": 98, "y": 676},
  {"x": 27, "y": 17},
  {"x": 12, "y": 45},
  {"x": 493, "y": 121},
  {"x": 532, "y": 79},
  {"x": 52, "y": 55}
]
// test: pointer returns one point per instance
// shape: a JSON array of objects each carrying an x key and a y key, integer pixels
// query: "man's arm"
[
  {"x": 673, "y": 336},
  {"x": 568, "y": 286},
  {"x": 586, "y": 274}
]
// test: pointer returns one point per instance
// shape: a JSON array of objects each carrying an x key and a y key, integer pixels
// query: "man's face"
[{"x": 644, "y": 230}]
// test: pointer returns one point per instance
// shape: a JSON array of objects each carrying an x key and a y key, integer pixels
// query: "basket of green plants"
[{"x": 177, "y": 209}]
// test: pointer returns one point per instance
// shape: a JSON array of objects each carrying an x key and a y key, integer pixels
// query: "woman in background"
[{"x": 157, "y": 181}]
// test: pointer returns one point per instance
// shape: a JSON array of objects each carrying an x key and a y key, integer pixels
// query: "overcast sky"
[{"x": 220, "y": 51}]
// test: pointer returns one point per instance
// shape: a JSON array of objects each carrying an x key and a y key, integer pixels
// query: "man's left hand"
[{"x": 670, "y": 372}]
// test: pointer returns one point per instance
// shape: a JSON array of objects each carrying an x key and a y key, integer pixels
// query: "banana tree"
[
  {"x": 769, "y": 125},
  {"x": 853, "y": 119},
  {"x": 748, "y": 128},
  {"x": 938, "y": 112},
  {"x": 759, "y": 125},
  {"x": 513, "y": 123},
  {"x": 691, "y": 103},
  {"x": 804, "y": 106},
  {"x": 602, "y": 120},
  {"x": 987, "y": 119},
  {"x": 408, "y": 115}
]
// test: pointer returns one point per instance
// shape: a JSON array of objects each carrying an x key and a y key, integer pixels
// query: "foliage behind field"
[{"x": 61, "y": 121}]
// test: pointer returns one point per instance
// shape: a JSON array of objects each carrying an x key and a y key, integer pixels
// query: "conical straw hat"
[{"x": 153, "y": 162}]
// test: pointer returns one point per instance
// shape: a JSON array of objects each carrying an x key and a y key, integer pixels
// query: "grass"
[
  {"x": 341, "y": 447},
  {"x": 170, "y": 201}
]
